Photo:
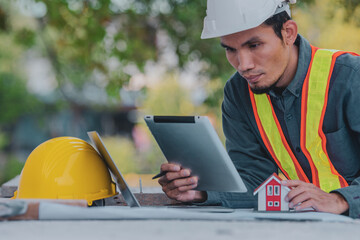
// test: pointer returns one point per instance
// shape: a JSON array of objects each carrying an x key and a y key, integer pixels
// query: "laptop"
[{"x": 127, "y": 194}]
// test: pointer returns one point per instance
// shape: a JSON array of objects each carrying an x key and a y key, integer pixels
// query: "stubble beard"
[{"x": 264, "y": 89}]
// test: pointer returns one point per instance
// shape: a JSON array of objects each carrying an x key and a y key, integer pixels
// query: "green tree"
[
  {"x": 91, "y": 38},
  {"x": 15, "y": 100}
]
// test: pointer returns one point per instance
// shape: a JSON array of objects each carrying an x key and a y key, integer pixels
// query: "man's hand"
[
  {"x": 306, "y": 195},
  {"x": 178, "y": 184}
]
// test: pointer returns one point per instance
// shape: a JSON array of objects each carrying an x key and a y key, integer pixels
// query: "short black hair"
[{"x": 277, "y": 22}]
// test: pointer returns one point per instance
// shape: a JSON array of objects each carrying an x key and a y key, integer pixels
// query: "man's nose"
[{"x": 245, "y": 62}]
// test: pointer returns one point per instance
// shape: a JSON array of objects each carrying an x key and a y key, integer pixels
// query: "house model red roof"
[
  {"x": 271, "y": 195},
  {"x": 273, "y": 176}
]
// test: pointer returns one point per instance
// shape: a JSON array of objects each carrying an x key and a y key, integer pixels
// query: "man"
[{"x": 289, "y": 107}]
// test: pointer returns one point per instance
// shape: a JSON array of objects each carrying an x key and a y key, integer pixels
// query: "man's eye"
[
  {"x": 255, "y": 45},
  {"x": 229, "y": 49}
]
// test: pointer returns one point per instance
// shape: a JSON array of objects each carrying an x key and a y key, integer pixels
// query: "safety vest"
[{"x": 312, "y": 138}]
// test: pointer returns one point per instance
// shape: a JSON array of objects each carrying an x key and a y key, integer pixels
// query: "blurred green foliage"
[
  {"x": 169, "y": 97},
  {"x": 10, "y": 169},
  {"x": 15, "y": 100},
  {"x": 123, "y": 153},
  {"x": 330, "y": 25}
]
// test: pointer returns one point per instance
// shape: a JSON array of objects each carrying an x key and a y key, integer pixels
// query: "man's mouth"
[{"x": 252, "y": 79}]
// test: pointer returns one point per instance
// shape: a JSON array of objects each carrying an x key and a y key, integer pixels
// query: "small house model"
[{"x": 271, "y": 195}]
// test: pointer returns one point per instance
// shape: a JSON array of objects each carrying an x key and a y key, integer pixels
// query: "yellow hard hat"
[{"x": 65, "y": 168}]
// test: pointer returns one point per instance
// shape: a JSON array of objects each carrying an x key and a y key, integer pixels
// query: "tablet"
[{"x": 192, "y": 142}]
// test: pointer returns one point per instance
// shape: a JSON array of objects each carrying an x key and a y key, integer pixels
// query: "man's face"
[{"x": 260, "y": 56}]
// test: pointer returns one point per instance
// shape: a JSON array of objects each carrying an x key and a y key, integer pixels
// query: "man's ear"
[{"x": 289, "y": 32}]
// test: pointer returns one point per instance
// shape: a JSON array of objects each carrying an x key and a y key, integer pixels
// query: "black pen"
[{"x": 159, "y": 175}]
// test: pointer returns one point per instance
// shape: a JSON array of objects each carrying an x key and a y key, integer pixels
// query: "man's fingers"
[
  {"x": 297, "y": 187},
  {"x": 291, "y": 183},
  {"x": 170, "y": 167},
  {"x": 181, "y": 196},
  {"x": 187, "y": 188},
  {"x": 295, "y": 192},
  {"x": 299, "y": 190},
  {"x": 170, "y": 176},
  {"x": 298, "y": 199},
  {"x": 176, "y": 175},
  {"x": 306, "y": 204},
  {"x": 178, "y": 183}
]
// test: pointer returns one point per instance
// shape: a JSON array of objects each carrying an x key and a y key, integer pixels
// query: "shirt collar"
[{"x": 295, "y": 85}]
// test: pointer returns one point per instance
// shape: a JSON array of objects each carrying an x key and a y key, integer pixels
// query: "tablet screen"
[{"x": 192, "y": 142}]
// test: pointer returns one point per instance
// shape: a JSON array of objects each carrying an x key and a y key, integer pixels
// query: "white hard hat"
[{"x": 224, "y": 17}]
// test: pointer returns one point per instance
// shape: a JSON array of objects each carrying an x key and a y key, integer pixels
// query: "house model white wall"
[{"x": 271, "y": 195}]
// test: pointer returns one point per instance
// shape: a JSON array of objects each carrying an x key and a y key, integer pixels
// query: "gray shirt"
[{"x": 341, "y": 127}]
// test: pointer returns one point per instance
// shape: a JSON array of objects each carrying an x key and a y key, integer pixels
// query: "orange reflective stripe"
[{"x": 277, "y": 145}]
